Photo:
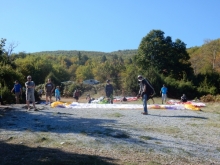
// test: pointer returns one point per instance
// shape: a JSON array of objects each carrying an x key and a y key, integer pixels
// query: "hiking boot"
[{"x": 144, "y": 113}]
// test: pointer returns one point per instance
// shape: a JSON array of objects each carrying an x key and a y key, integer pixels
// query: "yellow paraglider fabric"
[{"x": 192, "y": 107}]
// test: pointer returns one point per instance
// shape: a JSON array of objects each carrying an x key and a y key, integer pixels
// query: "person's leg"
[
  {"x": 111, "y": 97},
  {"x": 163, "y": 98},
  {"x": 144, "y": 99},
  {"x": 152, "y": 100},
  {"x": 77, "y": 98},
  {"x": 46, "y": 98},
  {"x": 50, "y": 96},
  {"x": 33, "y": 99},
  {"x": 17, "y": 97},
  {"x": 28, "y": 104},
  {"x": 27, "y": 100}
]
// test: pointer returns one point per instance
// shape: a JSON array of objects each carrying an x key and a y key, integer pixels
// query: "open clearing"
[{"x": 109, "y": 136}]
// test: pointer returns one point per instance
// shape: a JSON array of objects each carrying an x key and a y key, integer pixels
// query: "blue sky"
[{"x": 105, "y": 25}]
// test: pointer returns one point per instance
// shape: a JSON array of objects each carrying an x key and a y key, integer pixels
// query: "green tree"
[
  {"x": 83, "y": 73},
  {"x": 166, "y": 56},
  {"x": 103, "y": 59}
]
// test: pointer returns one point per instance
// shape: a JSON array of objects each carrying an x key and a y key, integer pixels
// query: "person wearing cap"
[
  {"x": 17, "y": 90},
  {"x": 163, "y": 91},
  {"x": 109, "y": 91},
  {"x": 30, "y": 87},
  {"x": 145, "y": 91}
]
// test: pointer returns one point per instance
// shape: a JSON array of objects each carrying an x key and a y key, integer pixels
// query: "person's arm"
[
  {"x": 12, "y": 89},
  {"x": 145, "y": 88},
  {"x": 20, "y": 89},
  {"x": 45, "y": 88},
  {"x": 28, "y": 86},
  {"x": 105, "y": 88},
  {"x": 112, "y": 89},
  {"x": 33, "y": 85},
  {"x": 53, "y": 88}
]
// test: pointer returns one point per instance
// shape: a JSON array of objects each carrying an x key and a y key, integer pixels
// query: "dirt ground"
[{"x": 31, "y": 146}]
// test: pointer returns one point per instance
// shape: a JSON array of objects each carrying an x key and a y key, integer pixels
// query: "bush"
[
  {"x": 208, "y": 98},
  {"x": 7, "y": 96}
]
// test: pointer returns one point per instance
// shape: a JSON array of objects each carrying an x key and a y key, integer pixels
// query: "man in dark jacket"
[
  {"x": 109, "y": 91},
  {"x": 146, "y": 90}
]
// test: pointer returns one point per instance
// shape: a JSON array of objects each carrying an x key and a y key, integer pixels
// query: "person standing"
[
  {"x": 145, "y": 91},
  {"x": 88, "y": 98},
  {"x": 76, "y": 94},
  {"x": 163, "y": 91},
  {"x": 17, "y": 90},
  {"x": 109, "y": 91},
  {"x": 48, "y": 89},
  {"x": 30, "y": 86},
  {"x": 57, "y": 93}
]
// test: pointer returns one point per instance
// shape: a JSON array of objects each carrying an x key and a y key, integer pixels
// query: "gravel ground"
[{"x": 166, "y": 136}]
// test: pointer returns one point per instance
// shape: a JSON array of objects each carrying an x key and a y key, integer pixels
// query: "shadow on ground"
[{"x": 14, "y": 154}]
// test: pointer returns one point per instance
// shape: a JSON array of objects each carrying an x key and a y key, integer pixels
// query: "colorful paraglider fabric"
[{"x": 76, "y": 105}]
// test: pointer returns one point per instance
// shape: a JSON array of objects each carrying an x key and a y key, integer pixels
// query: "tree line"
[{"x": 193, "y": 71}]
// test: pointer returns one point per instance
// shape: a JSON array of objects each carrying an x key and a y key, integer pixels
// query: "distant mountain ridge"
[{"x": 127, "y": 52}]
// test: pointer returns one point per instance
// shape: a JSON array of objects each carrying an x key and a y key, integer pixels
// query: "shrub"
[
  {"x": 208, "y": 98},
  {"x": 7, "y": 96}
]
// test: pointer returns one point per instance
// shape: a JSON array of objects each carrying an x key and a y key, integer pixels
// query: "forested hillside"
[
  {"x": 194, "y": 71},
  {"x": 124, "y": 53}
]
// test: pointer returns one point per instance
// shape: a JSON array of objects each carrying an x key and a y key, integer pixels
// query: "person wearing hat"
[
  {"x": 145, "y": 91},
  {"x": 30, "y": 86},
  {"x": 17, "y": 90},
  {"x": 109, "y": 91}
]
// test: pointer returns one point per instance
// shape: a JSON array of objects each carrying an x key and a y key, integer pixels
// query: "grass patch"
[
  {"x": 151, "y": 150},
  {"x": 10, "y": 138},
  {"x": 213, "y": 124},
  {"x": 146, "y": 137},
  {"x": 42, "y": 139},
  {"x": 130, "y": 163},
  {"x": 212, "y": 108},
  {"x": 115, "y": 115},
  {"x": 167, "y": 130},
  {"x": 153, "y": 163},
  {"x": 158, "y": 142},
  {"x": 166, "y": 150},
  {"x": 194, "y": 125},
  {"x": 83, "y": 132}
]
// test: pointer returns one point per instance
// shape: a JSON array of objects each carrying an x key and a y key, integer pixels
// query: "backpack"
[{"x": 150, "y": 89}]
